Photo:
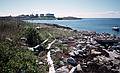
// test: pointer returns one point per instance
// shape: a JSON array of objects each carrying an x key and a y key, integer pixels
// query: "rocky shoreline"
[
  {"x": 72, "y": 51},
  {"x": 92, "y": 56},
  {"x": 86, "y": 52},
  {"x": 53, "y": 25}
]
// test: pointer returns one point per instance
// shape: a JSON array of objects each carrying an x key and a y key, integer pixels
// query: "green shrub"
[
  {"x": 17, "y": 60},
  {"x": 33, "y": 37}
]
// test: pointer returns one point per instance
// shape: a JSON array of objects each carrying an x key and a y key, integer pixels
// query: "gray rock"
[{"x": 72, "y": 61}]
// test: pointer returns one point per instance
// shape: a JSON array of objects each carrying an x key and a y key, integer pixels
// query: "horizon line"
[{"x": 56, "y": 16}]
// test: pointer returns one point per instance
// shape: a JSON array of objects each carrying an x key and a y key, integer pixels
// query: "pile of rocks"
[{"x": 87, "y": 55}]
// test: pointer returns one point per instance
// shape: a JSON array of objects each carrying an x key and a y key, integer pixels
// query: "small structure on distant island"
[
  {"x": 48, "y": 16},
  {"x": 41, "y": 15}
]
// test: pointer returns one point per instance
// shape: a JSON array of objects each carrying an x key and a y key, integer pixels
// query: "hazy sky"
[{"x": 79, "y": 8}]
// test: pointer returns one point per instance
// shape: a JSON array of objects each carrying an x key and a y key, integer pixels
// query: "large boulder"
[{"x": 72, "y": 61}]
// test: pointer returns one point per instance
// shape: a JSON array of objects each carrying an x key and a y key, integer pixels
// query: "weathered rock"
[
  {"x": 95, "y": 52},
  {"x": 62, "y": 63},
  {"x": 63, "y": 69},
  {"x": 79, "y": 67},
  {"x": 72, "y": 61}
]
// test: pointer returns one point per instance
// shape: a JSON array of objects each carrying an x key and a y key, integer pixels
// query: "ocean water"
[{"x": 99, "y": 25}]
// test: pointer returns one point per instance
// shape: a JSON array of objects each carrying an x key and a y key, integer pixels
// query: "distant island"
[
  {"x": 69, "y": 18},
  {"x": 48, "y": 16}
]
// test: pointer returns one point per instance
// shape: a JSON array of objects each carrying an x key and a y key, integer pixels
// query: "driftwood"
[
  {"x": 44, "y": 41},
  {"x": 32, "y": 48},
  {"x": 49, "y": 60},
  {"x": 50, "y": 44}
]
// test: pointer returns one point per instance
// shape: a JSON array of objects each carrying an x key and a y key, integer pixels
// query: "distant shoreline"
[
  {"x": 25, "y": 17},
  {"x": 54, "y": 25}
]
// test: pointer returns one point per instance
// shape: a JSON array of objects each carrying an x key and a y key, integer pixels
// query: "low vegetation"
[
  {"x": 15, "y": 57},
  {"x": 16, "y": 60}
]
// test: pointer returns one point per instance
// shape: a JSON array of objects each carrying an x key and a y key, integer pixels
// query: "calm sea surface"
[{"x": 91, "y": 24}]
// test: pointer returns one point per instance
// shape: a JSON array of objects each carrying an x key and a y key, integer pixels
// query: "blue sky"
[{"x": 79, "y": 8}]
